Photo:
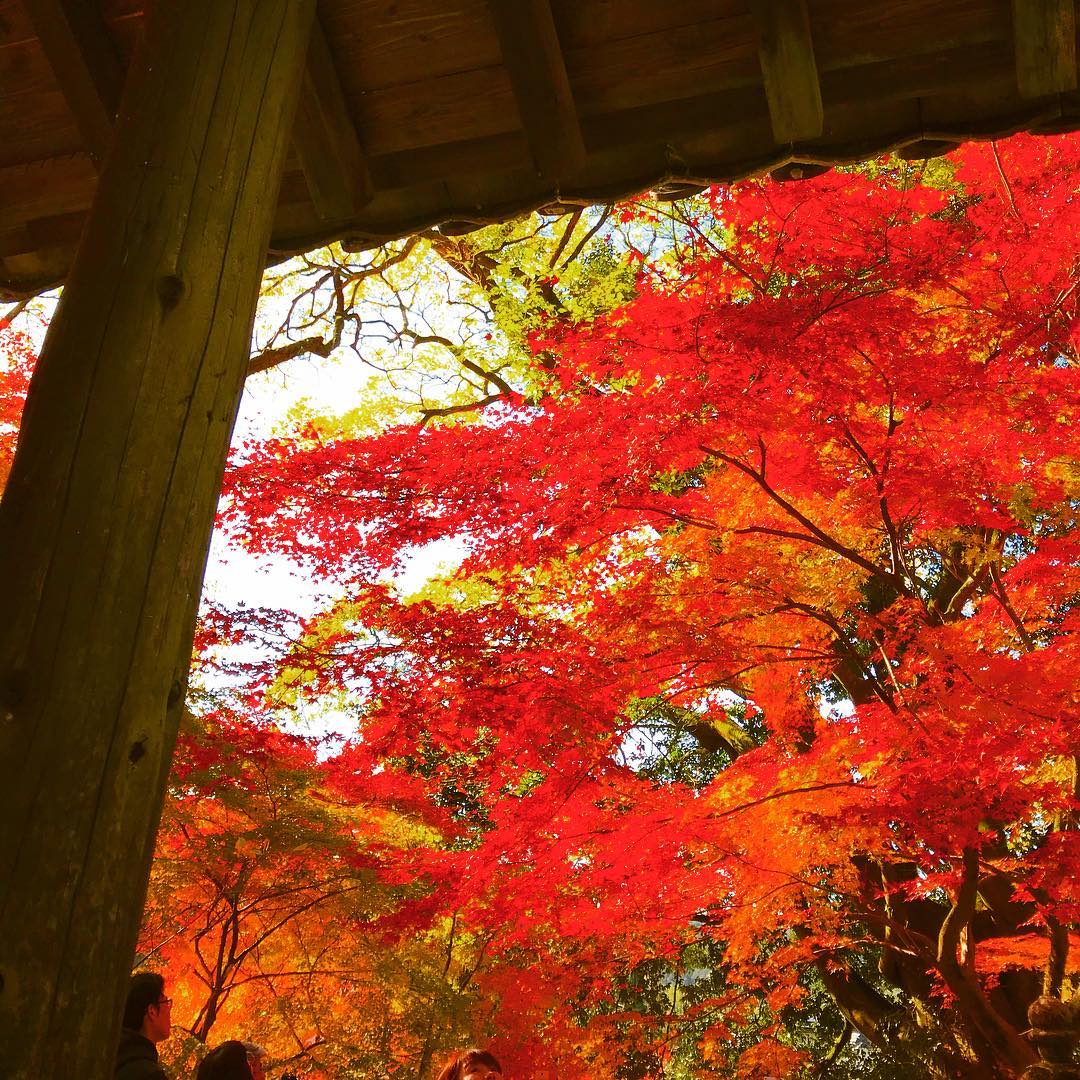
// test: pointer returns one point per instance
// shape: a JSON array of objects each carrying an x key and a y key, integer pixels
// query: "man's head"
[{"x": 148, "y": 1010}]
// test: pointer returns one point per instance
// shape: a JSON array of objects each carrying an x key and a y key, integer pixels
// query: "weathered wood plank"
[
  {"x": 533, "y": 59},
  {"x": 849, "y": 33},
  {"x": 677, "y": 64},
  {"x": 85, "y": 63},
  {"x": 1044, "y": 35},
  {"x": 789, "y": 69},
  {"x": 978, "y": 68},
  {"x": 679, "y": 120},
  {"x": 106, "y": 517},
  {"x": 41, "y": 234},
  {"x": 382, "y": 43},
  {"x": 35, "y": 121},
  {"x": 479, "y": 104},
  {"x": 496, "y": 153},
  {"x": 440, "y": 111},
  {"x": 598, "y": 23},
  {"x": 325, "y": 139},
  {"x": 44, "y": 188}
]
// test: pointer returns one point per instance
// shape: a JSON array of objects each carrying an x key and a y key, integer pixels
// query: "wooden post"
[{"x": 105, "y": 523}]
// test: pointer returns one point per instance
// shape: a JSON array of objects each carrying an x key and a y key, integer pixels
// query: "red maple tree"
[
  {"x": 17, "y": 359},
  {"x": 760, "y": 669},
  {"x": 749, "y": 720}
]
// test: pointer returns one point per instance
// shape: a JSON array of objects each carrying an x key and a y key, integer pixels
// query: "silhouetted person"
[
  {"x": 472, "y": 1065},
  {"x": 232, "y": 1060},
  {"x": 147, "y": 1021},
  {"x": 255, "y": 1054}
]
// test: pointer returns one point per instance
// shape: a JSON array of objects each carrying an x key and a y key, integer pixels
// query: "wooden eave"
[{"x": 457, "y": 113}]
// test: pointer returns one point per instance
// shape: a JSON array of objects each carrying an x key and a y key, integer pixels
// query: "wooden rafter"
[
  {"x": 325, "y": 138},
  {"x": 789, "y": 69},
  {"x": 80, "y": 51},
  {"x": 1044, "y": 33},
  {"x": 533, "y": 59}
]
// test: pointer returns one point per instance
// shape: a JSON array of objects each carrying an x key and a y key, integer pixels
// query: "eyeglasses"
[{"x": 163, "y": 1002}]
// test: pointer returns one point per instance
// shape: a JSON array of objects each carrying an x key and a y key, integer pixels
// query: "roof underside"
[{"x": 457, "y": 113}]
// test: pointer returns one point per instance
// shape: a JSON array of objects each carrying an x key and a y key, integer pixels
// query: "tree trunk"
[{"x": 105, "y": 523}]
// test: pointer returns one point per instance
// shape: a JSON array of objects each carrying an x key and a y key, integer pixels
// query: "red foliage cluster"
[
  {"x": 806, "y": 505},
  {"x": 17, "y": 359}
]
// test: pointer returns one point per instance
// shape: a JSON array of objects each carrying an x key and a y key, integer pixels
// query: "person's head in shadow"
[
  {"x": 232, "y": 1060},
  {"x": 471, "y": 1065},
  {"x": 147, "y": 1010}
]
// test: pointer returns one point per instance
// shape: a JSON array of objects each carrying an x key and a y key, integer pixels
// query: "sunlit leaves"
[{"x": 762, "y": 645}]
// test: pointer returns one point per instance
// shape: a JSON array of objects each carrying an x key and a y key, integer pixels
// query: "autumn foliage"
[
  {"x": 759, "y": 666},
  {"x": 742, "y": 742},
  {"x": 16, "y": 364}
]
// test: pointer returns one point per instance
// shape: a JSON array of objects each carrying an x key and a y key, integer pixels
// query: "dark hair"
[
  {"x": 228, "y": 1061},
  {"x": 144, "y": 990},
  {"x": 460, "y": 1064}
]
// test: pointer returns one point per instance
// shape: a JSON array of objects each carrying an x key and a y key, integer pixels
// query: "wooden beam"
[
  {"x": 84, "y": 60},
  {"x": 45, "y": 188},
  {"x": 533, "y": 59},
  {"x": 786, "y": 52},
  {"x": 106, "y": 518},
  {"x": 1044, "y": 38},
  {"x": 325, "y": 139}
]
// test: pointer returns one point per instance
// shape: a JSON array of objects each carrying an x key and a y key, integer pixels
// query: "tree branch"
[{"x": 818, "y": 535}]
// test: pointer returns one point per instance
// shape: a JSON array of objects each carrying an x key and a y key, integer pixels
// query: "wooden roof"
[{"x": 459, "y": 112}]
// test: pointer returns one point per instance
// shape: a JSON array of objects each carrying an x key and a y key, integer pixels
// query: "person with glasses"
[
  {"x": 472, "y": 1065},
  {"x": 147, "y": 1022}
]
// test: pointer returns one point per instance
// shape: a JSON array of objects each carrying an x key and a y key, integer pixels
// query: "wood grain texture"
[
  {"x": 849, "y": 33},
  {"x": 442, "y": 125},
  {"x": 1044, "y": 33},
  {"x": 384, "y": 43},
  {"x": 86, "y": 65},
  {"x": 106, "y": 518},
  {"x": 533, "y": 59},
  {"x": 596, "y": 24},
  {"x": 789, "y": 70},
  {"x": 437, "y": 112},
  {"x": 677, "y": 64},
  {"x": 325, "y": 140}
]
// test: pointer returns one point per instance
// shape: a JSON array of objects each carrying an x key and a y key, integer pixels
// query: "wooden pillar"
[{"x": 105, "y": 523}]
